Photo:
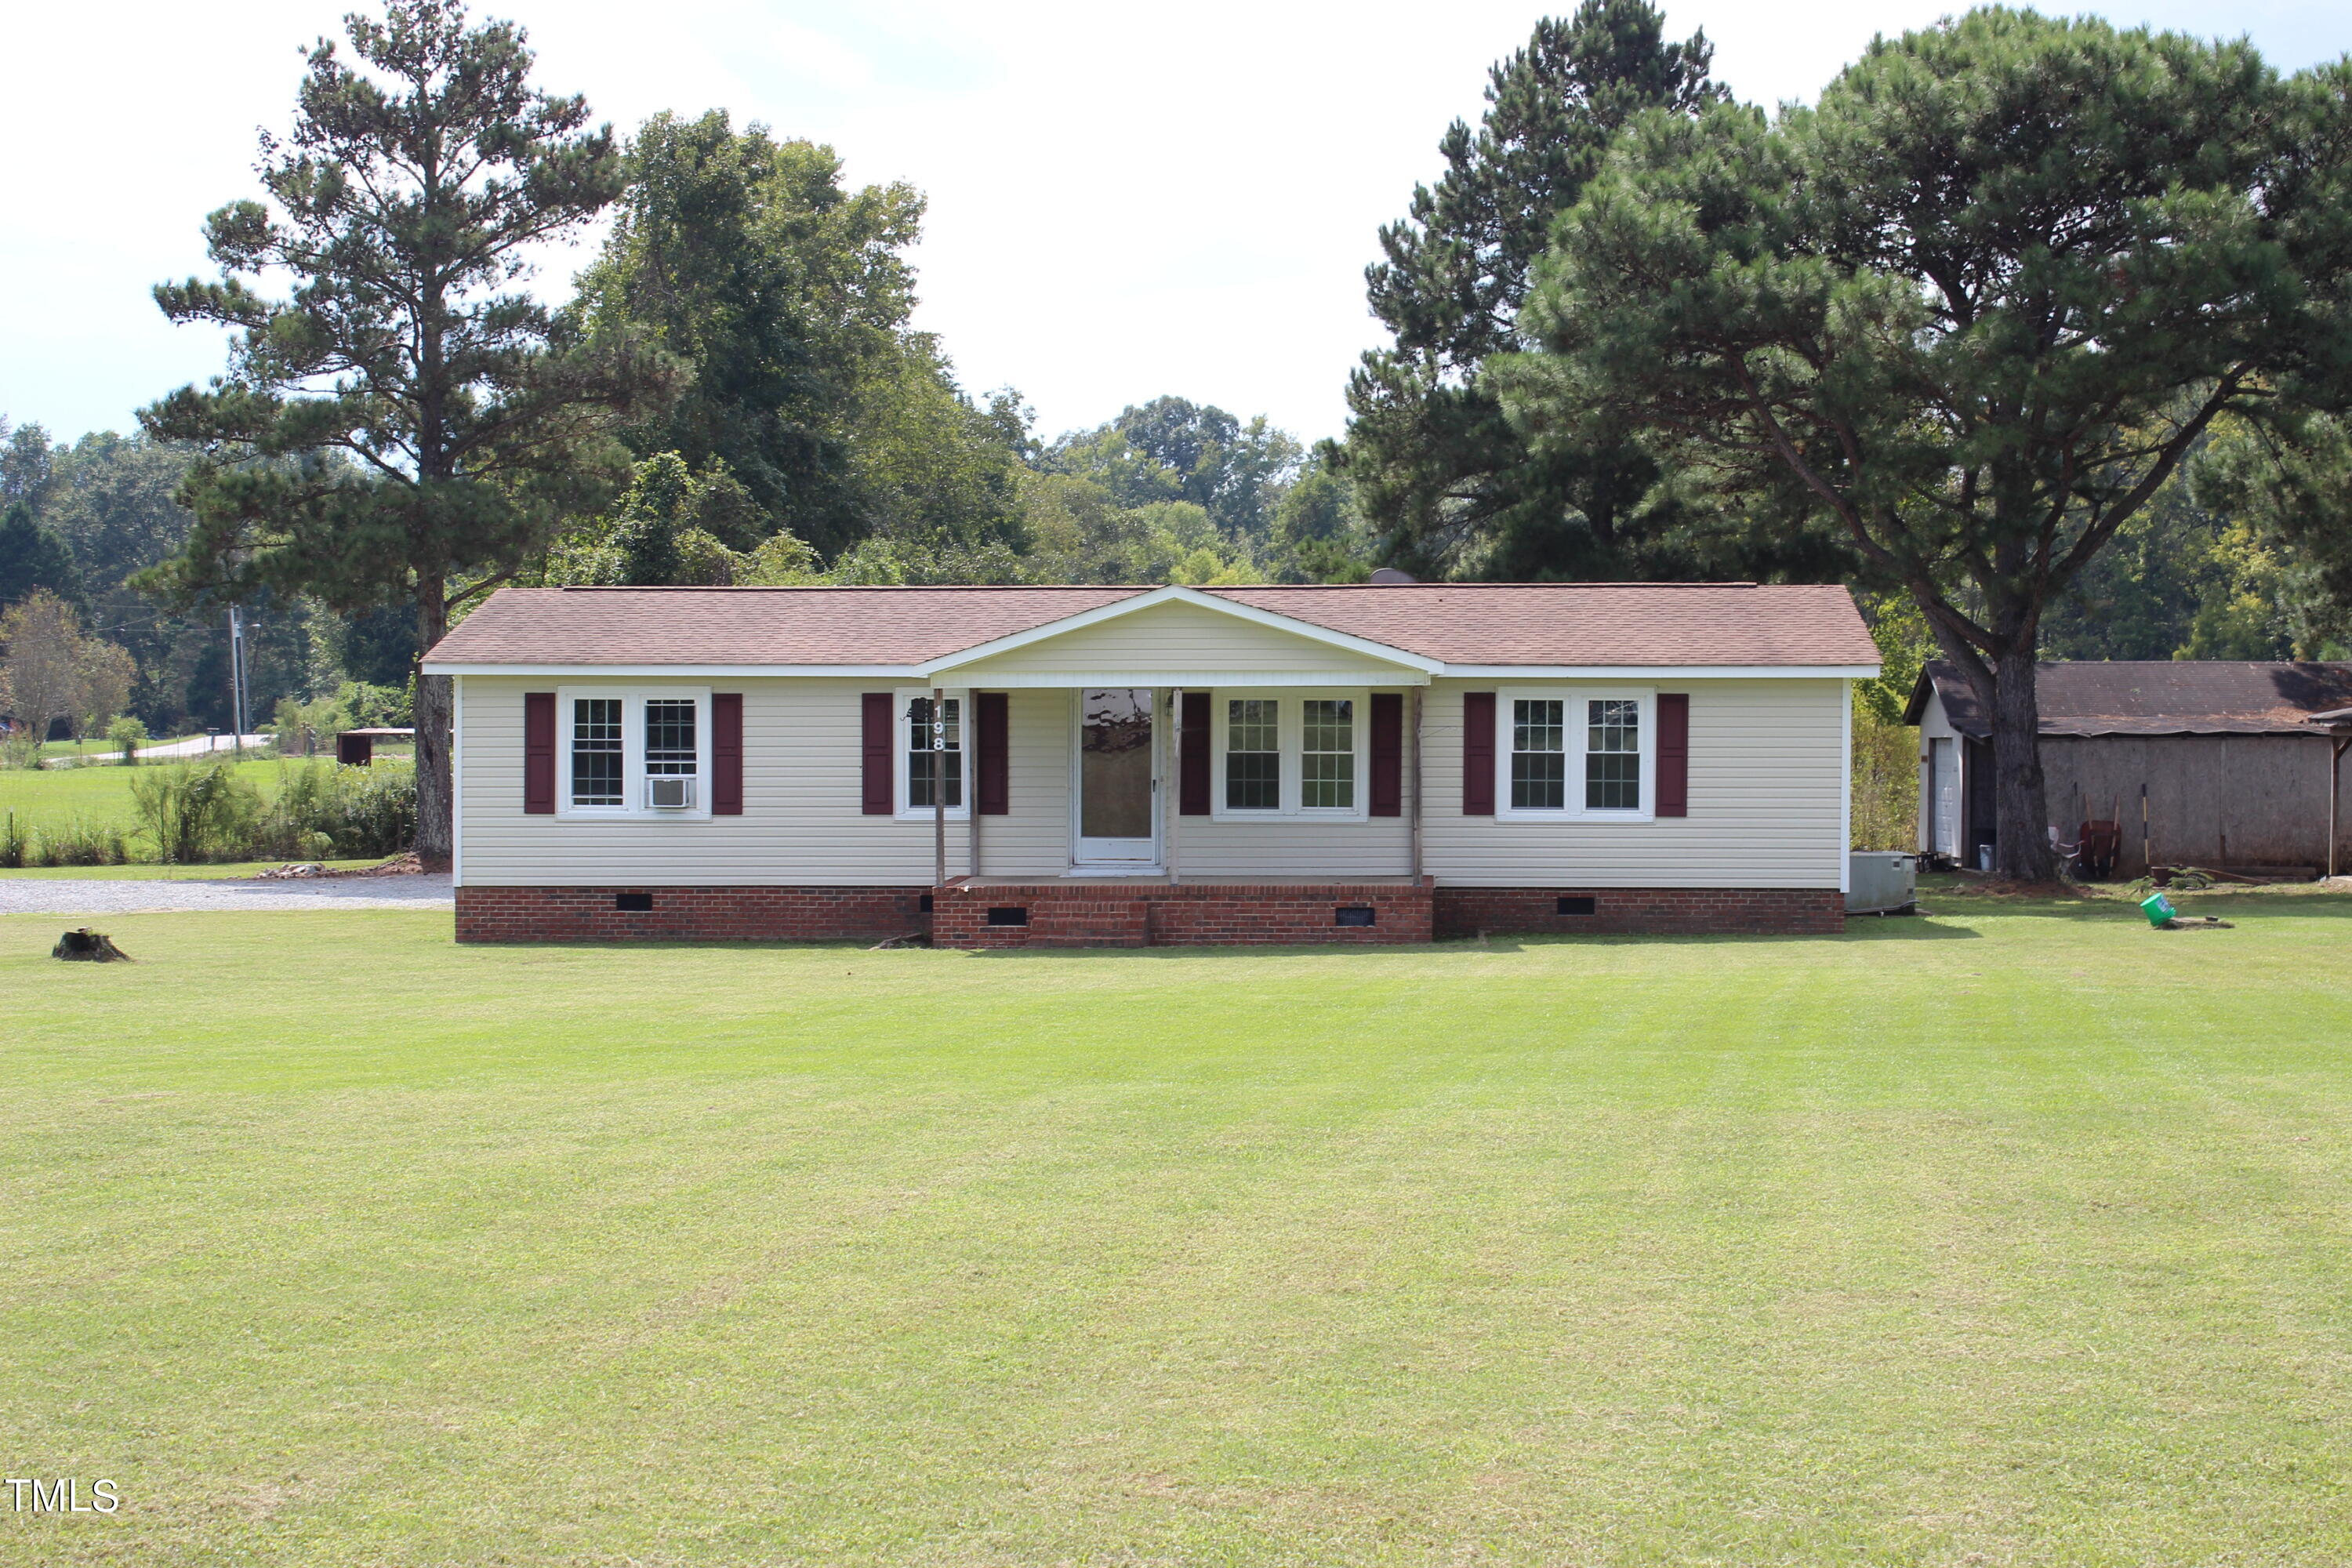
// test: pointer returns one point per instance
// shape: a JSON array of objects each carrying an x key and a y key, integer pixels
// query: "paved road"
[
  {"x": 40, "y": 896},
  {"x": 193, "y": 746}
]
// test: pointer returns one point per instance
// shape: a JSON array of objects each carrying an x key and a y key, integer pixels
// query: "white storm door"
[{"x": 1118, "y": 783}]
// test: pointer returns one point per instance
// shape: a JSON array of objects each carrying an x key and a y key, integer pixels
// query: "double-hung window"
[
  {"x": 1576, "y": 753},
  {"x": 932, "y": 757},
  {"x": 597, "y": 756},
  {"x": 1288, "y": 754},
  {"x": 1326, "y": 754},
  {"x": 633, "y": 754},
  {"x": 1252, "y": 753}
]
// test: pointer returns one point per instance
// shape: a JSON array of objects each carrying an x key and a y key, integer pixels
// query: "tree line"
[{"x": 2031, "y": 331}]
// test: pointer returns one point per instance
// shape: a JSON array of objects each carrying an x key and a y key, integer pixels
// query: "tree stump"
[{"x": 89, "y": 946}]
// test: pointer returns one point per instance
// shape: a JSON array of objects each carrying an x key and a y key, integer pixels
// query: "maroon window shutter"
[
  {"x": 1192, "y": 735},
  {"x": 726, "y": 753},
  {"x": 881, "y": 781},
  {"x": 539, "y": 753},
  {"x": 1673, "y": 754},
  {"x": 994, "y": 713},
  {"x": 1388, "y": 753},
  {"x": 1477, "y": 753}
]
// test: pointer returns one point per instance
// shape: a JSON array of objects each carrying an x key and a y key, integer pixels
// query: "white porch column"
[
  {"x": 939, "y": 787},
  {"x": 1413, "y": 782},
  {"x": 1172, "y": 803}
]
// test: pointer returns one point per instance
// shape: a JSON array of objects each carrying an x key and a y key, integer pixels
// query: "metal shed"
[
  {"x": 356, "y": 748},
  {"x": 2243, "y": 763}
]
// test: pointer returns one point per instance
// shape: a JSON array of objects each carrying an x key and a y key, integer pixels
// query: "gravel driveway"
[{"x": 34, "y": 896}]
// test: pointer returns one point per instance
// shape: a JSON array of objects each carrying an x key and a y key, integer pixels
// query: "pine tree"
[
  {"x": 406, "y": 427},
  {"x": 1437, "y": 468}
]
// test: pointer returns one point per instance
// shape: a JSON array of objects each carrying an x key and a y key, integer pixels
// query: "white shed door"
[{"x": 1944, "y": 786}]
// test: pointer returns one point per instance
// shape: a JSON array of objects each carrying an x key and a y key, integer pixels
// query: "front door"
[{"x": 1116, "y": 780}]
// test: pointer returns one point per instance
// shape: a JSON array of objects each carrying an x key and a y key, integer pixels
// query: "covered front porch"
[{"x": 1217, "y": 744}]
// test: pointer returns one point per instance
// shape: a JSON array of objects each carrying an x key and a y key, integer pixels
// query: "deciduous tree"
[
  {"x": 787, "y": 295},
  {"x": 1975, "y": 307},
  {"x": 41, "y": 646}
]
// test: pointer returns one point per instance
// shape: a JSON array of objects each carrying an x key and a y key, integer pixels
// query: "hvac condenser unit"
[{"x": 670, "y": 794}]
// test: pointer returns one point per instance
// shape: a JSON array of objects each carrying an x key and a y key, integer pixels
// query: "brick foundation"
[
  {"x": 689, "y": 914},
  {"x": 1110, "y": 914},
  {"x": 1645, "y": 912},
  {"x": 1076, "y": 914}
]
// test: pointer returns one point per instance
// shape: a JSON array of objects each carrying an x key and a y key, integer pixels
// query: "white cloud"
[{"x": 1124, "y": 201}]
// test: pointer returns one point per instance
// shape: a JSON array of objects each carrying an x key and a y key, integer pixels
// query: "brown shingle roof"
[
  {"x": 2156, "y": 697},
  {"x": 1589, "y": 622},
  {"x": 1586, "y": 624},
  {"x": 752, "y": 626}
]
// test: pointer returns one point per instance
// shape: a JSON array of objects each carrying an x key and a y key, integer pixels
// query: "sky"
[{"x": 1124, "y": 201}]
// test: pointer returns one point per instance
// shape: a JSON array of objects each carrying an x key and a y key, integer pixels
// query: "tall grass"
[{"x": 200, "y": 812}]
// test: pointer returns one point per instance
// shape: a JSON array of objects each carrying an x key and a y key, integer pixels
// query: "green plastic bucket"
[{"x": 2157, "y": 908}]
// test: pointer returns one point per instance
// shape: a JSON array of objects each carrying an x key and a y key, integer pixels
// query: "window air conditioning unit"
[{"x": 670, "y": 793}]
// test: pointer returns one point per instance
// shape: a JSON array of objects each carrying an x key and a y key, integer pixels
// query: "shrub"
[
  {"x": 12, "y": 843},
  {"x": 196, "y": 811},
  {"x": 1886, "y": 800},
  {"x": 125, "y": 734},
  {"x": 321, "y": 809},
  {"x": 203, "y": 811}
]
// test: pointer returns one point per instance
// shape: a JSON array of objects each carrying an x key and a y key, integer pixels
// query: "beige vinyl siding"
[
  {"x": 1766, "y": 772},
  {"x": 1766, "y": 775},
  {"x": 1174, "y": 638},
  {"x": 802, "y": 824},
  {"x": 1208, "y": 850}
]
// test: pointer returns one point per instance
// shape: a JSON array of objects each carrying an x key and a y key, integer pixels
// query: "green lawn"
[{"x": 2017, "y": 1235}]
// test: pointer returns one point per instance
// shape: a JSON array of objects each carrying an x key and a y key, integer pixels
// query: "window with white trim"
[
  {"x": 614, "y": 743},
  {"x": 920, "y": 764},
  {"x": 1288, "y": 754},
  {"x": 1570, "y": 754}
]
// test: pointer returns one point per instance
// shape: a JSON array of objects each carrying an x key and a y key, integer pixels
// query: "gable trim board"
[{"x": 1142, "y": 603}]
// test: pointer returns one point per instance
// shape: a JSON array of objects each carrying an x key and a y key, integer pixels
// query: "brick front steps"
[{"x": 1077, "y": 912}]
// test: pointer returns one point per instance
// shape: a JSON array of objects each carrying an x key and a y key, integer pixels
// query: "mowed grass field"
[
  {"x": 2017, "y": 1235},
  {"x": 100, "y": 796}
]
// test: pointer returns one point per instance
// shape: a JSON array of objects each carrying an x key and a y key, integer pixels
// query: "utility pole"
[{"x": 237, "y": 676}]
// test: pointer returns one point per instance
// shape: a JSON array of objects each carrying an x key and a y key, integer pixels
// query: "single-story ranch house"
[{"x": 1002, "y": 767}]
